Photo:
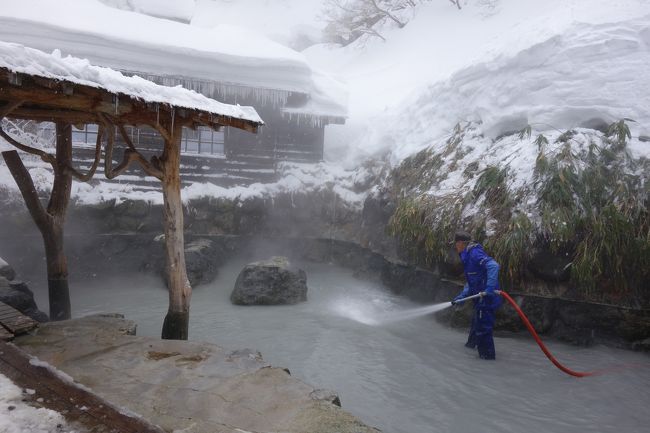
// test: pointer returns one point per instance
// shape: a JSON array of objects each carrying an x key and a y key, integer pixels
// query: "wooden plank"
[
  {"x": 8, "y": 315},
  {"x": 15, "y": 321},
  {"x": 4, "y": 308},
  {"x": 77, "y": 404}
]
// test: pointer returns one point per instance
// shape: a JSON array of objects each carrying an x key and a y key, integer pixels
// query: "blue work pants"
[{"x": 480, "y": 334}]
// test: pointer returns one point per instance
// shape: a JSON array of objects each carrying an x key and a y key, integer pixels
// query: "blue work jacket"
[{"x": 481, "y": 274}]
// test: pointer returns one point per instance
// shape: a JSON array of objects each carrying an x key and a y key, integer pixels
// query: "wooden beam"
[
  {"x": 9, "y": 107},
  {"x": 53, "y": 95},
  {"x": 40, "y": 114}
]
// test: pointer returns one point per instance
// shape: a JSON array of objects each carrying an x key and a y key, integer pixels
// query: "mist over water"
[{"x": 392, "y": 365}]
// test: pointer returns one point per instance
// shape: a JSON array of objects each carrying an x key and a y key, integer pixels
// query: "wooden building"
[{"x": 233, "y": 66}]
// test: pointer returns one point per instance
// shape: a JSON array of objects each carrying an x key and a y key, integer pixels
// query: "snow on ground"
[
  {"x": 19, "y": 417},
  {"x": 295, "y": 178}
]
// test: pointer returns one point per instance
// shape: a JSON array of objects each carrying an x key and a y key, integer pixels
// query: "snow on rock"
[
  {"x": 591, "y": 73},
  {"x": 17, "y": 416},
  {"x": 21, "y": 59}
]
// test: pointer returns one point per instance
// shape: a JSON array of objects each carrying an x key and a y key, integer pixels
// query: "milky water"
[{"x": 402, "y": 376}]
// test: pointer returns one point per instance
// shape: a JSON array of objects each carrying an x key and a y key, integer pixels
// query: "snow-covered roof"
[
  {"x": 20, "y": 59},
  {"x": 130, "y": 41}
]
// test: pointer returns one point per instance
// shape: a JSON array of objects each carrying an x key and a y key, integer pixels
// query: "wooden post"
[
  {"x": 50, "y": 222},
  {"x": 176, "y": 324}
]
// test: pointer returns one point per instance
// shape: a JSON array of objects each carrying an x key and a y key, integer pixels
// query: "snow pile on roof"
[
  {"x": 20, "y": 59},
  {"x": 328, "y": 98},
  {"x": 179, "y": 10},
  {"x": 294, "y": 23},
  {"x": 134, "y": 42},
  {"x": 17, "y": 416},
  {"x": 592, "y": 74}
]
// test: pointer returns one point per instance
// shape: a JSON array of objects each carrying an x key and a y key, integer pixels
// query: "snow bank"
[
  {"x": 295, "y": 179},
  {"x": 19, "y": 417},
  {"x": 18, "y": 58},
  {"x": 179, "y": 10},
  {"x": 589, "y": 74}
]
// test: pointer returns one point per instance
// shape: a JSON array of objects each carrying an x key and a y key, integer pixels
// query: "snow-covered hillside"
[
  {"x": 449, "y": 65},
  {"x": 502, "y": 64},
  {"x": 590, "y": 75}
]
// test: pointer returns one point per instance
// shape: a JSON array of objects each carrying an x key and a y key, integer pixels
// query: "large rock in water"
[
  {"x": 16, "y": 294},
  {"x": 6, "y": 270},
  {"x": 270, "y": 282}
]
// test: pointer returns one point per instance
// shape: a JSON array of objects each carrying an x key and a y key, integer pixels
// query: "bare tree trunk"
[
  {"x": 50, "y": 222},
  {"x": 176, "y": 324}
]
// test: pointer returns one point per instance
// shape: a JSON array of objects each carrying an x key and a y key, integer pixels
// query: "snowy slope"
[
  {"x": 588, "y": 75},
  {"x": 441, "y": 41},
  {"x": 554, "y": 64}
]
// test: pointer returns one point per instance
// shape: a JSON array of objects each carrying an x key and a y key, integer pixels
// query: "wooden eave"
[{"x": 48, "y": 99}]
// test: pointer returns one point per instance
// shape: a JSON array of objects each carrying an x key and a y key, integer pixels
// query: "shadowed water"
[{"x": 402, "y": 376}]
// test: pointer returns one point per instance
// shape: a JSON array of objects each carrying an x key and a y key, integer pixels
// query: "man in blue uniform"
[{"x": 481, "y": 275}]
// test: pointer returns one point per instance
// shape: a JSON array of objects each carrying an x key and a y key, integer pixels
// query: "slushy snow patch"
[{"x": 17, "y": 416}]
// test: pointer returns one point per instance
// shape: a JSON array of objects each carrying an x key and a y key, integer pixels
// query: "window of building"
[{"x": 203, "y": 140}]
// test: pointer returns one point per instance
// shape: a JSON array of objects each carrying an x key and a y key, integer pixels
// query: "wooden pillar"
[
  {"x": 176, "y": 322},
  {"x": 50, "y": 222},
  {"x": 57, "y": 265}
]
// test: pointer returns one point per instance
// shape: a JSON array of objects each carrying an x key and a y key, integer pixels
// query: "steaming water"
[{"x": 402, "y": 376}]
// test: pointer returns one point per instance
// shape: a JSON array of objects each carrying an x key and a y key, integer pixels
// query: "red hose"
[{"x": 539, "y": 341}]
